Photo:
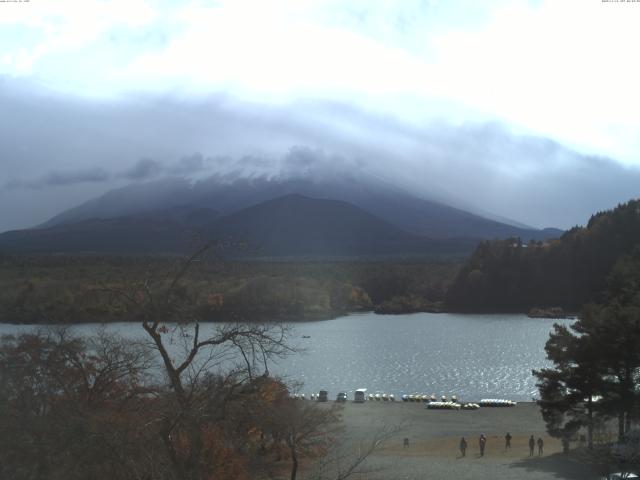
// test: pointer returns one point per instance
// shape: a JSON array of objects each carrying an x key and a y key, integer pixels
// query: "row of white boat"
[
  {"x": 382, "y": 397},
  {"x": 444, "y": 402},
  {"x": 430, "y": 400},
  {"x": 420, "y": 397},
  {"x": 497, "y": 402},
  {"x": 485, "y": 402},
  {"x": 452, "y": 406}
]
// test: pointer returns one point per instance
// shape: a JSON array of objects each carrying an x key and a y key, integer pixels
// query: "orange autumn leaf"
[{"x": 215, "y": 300}]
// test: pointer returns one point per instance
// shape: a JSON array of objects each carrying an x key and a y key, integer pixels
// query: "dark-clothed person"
[
  {"x": 540, "y": 445},
  {"x": 463, "y": 447},
  {"x": 507, "y": 441},
  {"x": 532, "y": 445}
]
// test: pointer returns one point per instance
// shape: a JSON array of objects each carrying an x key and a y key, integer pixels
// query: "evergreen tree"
[
  {"x": 597, "y": 357},
  {"x": 569, "y": 391}
]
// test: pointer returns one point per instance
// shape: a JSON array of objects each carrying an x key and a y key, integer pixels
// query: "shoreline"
[{"x": 319, "y": 318}]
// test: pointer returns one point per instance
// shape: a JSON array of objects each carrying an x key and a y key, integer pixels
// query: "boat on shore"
[{"x": 497, "y": 402}]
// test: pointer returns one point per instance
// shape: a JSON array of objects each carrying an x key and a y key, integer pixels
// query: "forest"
[
  {"x": 73, "y": 289},
  {"x": 516, "y": 276}
]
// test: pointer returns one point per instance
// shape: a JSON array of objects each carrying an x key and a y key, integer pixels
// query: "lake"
[{"x": 471, "y": 356}]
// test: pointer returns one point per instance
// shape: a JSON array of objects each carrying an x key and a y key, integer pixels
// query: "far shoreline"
[{"x": 320, "y": 318}]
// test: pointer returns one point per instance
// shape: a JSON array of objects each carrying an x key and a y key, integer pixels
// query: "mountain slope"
[
  {"x": 167, "y": 230},
  {"x": 291, "y": 225},
  {"x": 130, "y": 200},
  {"x": 404, "y": 210},
  {"x": 295, "y": 225}
]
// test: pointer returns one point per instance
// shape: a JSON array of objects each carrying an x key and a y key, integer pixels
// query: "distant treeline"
[
  {"x": 74, "y": 289},
  {"x": 510, "y": 275},
  {"x": 500, "y": 276}
]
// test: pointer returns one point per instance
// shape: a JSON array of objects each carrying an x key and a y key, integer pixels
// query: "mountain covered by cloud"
[
  {"x": 231, "y": 193},
  {"x": 57, "y": 153},
  {"x": 507, "y": 108}
]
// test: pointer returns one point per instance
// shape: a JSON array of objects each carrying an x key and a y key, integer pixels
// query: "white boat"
[
  {"x": 497, "y": 402},
  {"x": 443, "y": 406}
]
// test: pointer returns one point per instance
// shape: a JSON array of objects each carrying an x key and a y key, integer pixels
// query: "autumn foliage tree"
[{"x": 72, "y": 408}]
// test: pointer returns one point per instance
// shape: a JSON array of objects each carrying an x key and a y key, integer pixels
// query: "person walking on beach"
[
  {"x": 482, "y": 442},
  {"x": 507, "y": 441},
  {"x": 540, "y": 445},
  {"x": 463, "y": 447},
  {"x": 532, "y": 444}
]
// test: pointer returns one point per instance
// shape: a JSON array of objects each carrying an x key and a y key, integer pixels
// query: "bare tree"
[
  {"x": 241, "y": 352},
  {"x": 304, "y": 428},
  {"x": 347, "y": 457}
]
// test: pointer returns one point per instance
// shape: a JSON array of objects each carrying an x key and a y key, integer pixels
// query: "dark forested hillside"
[{"x": 511, "y": 276}]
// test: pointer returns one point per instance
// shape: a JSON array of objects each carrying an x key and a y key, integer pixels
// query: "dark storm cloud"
[{"x": 484, "y": 167}]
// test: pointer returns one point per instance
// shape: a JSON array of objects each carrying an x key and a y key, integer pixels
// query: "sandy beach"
[{"x": 434, "y": 437}]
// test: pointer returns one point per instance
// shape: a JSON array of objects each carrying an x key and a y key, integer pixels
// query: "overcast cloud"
[
  {"x": 512, "y": 108},
  {"x": 61, "y": 178}
]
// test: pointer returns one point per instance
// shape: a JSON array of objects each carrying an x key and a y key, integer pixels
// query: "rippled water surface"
[{"x": 473, "y": 356}]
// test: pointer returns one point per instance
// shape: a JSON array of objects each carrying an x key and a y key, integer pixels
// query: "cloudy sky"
[{"x": 522, "y": 109}]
